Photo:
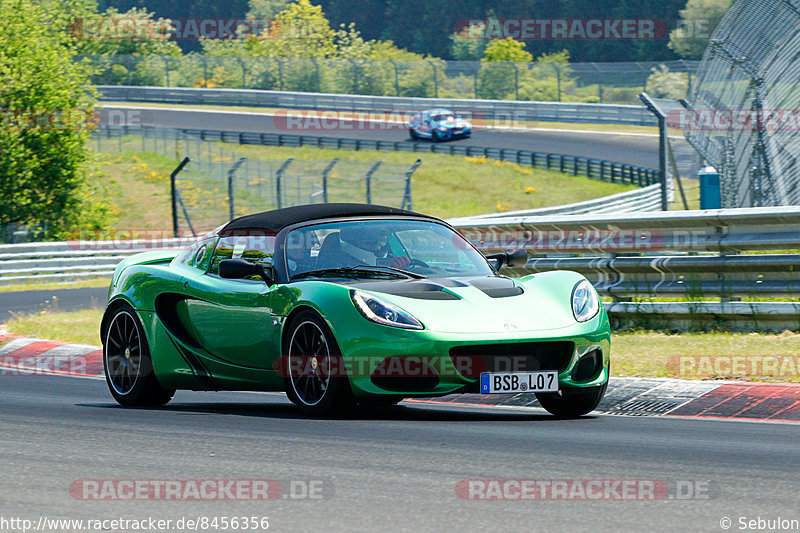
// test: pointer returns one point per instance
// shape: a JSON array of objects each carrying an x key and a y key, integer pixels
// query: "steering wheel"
[{"x": 419, "y": 263}]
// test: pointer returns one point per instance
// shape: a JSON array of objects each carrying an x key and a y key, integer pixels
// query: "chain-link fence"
[
  {"x": 619, "y": 82},
  {"x": 743, "y": 106},
  {"x": 216, "y": 185}
]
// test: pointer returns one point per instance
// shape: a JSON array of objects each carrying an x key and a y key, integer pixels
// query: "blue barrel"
[{"x": 709, "y": 188}]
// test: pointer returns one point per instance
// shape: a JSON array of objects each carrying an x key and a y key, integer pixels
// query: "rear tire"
[
  {"x": 315, "y": 375},
  {"x": 572, "y": 405},
  {"x": 127, "y": 364}
]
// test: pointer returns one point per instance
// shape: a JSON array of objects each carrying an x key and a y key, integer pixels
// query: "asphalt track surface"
[
  {"x": 631, "y": 149},
  {"x": 394, "y": 470},
  {"x": 37, "y": 300}
]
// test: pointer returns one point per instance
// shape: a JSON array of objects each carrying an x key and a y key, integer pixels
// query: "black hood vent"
[{"x": 433, "y": 289}]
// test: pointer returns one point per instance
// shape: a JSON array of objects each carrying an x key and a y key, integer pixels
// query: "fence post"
[
  {"x": 244, "y": 72},
  {"x": 516, "y": 80},
  {"x": 316, "y": 67},
  {"x": 368, "y": 179},
  {"x": 173, "y": 190},
  {"x": 278, "y": 178},
  {"x": 166, "y": 68},
  {"x": 558, "y": 79},
  {"x": 396, "y": 78},
  {"x": 205, "y": 70},
  {"x": 325, "y": 179},
  {"x": 231, "y": 172},
  {"x": 663, "y": 141},
  {"x": 355, "y": 75},
  {"x": 435, "y": 81},
  {"x": 407, "y": 194}
]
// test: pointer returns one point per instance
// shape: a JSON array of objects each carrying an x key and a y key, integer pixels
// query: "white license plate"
[{"x": 510, "y": 382}]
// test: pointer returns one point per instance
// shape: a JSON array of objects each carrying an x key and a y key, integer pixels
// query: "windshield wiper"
[
  {"x": 360, "y": 269},
  {"x": 393, "y": 269}
]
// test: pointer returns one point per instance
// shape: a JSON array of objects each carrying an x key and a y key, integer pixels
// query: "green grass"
[
  {"x": 657, "y": 354},
  {"x": 444, "y": 185},
  {"x": 48, "y": 285},
  {"x": 633, "y": 353},
  {"x": 81, "y": 327},
  {"x": 138, "y": 183}
]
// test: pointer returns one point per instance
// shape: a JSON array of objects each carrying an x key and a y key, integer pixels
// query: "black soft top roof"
[{"x": 276, "y": 220}]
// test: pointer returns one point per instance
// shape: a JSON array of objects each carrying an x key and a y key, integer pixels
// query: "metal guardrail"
[
  {"x": 577, "y": 166},
  {"x": 72, "y": 260},
  {"x": 639, "y": 200},
  {"x": 496, "y": 110},
  {"x": 694, "y": 256}
]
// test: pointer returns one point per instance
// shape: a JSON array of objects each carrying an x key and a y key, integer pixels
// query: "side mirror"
[
  {"x": 240, "y": 269},
  {"x": 516, "y": 258}
]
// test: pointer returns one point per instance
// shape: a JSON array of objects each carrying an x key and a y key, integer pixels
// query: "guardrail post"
[
  {"x": 278, "y": 178},
  {"x": 368, "y": 179},
  {"x": 172, "y": 176},
  {"x": 516, "y": 80},
  {"x": 325, "y": 180},
  {"x": 205, "y": 70}
]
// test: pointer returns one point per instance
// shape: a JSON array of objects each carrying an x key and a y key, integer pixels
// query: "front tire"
[
  {"x": 413, "y": 134},
  {"x": 127, "y": 364},
  {"x": 315, "y": 380},
  {"x": 572, "y": 405}
]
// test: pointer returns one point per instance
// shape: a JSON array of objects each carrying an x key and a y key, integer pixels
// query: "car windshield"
[
  {"x": 381, "y": 247},
  {"x": 445, "y": 115}
]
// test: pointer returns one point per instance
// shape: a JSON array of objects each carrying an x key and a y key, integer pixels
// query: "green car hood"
[{"x": 489, "y": 305}]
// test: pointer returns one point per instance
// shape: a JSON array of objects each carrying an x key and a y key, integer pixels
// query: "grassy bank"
[{"x": 444, "y": 185}]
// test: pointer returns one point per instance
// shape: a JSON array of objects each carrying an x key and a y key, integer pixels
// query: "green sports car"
[{"x": 338, "y": 304}]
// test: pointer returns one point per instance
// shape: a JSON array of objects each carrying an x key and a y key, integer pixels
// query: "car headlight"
[
  {"x": 383, "y": 312},
  {"x": 442, "y": 128},
  {"x": 585, "y": 303}
]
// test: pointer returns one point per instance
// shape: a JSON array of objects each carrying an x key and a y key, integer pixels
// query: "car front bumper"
[{"x": 428, "y": 363}]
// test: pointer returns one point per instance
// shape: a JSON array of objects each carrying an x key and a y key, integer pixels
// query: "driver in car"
[{"x": 370, "y": 246}]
